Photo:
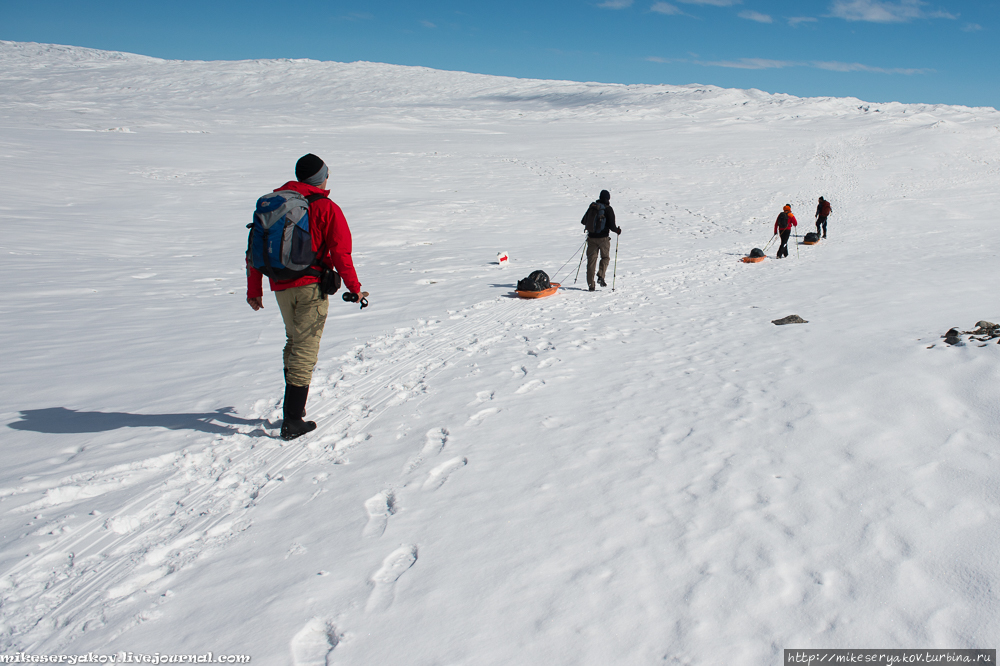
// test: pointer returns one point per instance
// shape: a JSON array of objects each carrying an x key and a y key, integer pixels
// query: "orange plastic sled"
[
  {"x": 753, "y": 260},
  {"x": 540, "y": 294},
  {"x": 810, "y": 242}
]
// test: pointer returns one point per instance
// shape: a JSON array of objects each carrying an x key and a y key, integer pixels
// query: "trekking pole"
[
  {"x": 796, "y": 243},
  {"x": 581, "y": 262},
  {"x": 614, "y": 273}
]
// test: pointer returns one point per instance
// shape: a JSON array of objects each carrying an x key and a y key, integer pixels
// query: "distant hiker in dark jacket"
[
  {"x": 783, "y": 225},
  {"x": 303, "y": 306},
  {"x": 599, "y": 221},
  {"x": 823, "y": 211}
]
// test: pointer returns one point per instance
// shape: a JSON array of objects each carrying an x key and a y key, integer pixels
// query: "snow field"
[{"x": 654, "y": 475}]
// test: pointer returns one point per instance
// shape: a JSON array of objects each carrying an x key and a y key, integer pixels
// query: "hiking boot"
[
  {"x": 294, "y": 406},
  {"x": 593, "y": 288},
  {"x": 296, "y": 428},
  {"x": 286, "y": 381},
  {"x": 601, "y": 282}
]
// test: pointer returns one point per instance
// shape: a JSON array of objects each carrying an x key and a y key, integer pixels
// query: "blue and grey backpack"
[{"x": 280, "y": 242}]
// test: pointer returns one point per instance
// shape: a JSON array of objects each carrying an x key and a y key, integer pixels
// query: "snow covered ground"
[{"x": 652, "y": 475}]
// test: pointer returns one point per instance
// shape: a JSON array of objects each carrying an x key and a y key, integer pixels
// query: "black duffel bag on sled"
[{"x": 537, "y": 281}]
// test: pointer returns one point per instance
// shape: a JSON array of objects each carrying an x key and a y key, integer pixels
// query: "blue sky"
[{"x": 877, "y": 50}]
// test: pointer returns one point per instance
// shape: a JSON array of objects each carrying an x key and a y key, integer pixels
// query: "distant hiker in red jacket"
[
  {"x": 303, "y": 306},
  {"x": 823, "y": 210},
  {"x": 783, "y": 225}
]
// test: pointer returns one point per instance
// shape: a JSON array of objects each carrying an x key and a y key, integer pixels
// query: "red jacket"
[
  {"x": 328, "y": 227},
  {"x": 792, "y": 222}
]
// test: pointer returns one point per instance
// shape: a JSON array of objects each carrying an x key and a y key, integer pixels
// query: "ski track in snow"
[{"x": 207, "y": 496}]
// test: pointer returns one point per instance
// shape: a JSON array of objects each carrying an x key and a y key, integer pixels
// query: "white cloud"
[
  {"x": 751, "y": 15},
  {"x": 714, "y": 3},
  {"x": 427, "y": 24},
  {"x": 752, "y": 63},
  {"x": 881, "y": 11},
  {"x": 616, "y": 4},
  {"x": 796, "y": 20},
  {"x": 972, "y": 27},
  {"x": 858, "y": 67},
  {"x": 665, "y": 8},
  {"x": 830, "y": 66}
]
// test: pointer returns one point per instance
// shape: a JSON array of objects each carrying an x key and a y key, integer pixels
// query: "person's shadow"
[{"x": 59, "y": 420}]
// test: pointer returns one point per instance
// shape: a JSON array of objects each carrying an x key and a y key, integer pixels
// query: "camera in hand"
[{"x": 356, "y": 298}]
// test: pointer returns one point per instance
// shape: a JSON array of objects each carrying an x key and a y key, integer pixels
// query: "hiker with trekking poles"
[
  {"x": 599, "y": 221},
  {"x": 783, "y": 226}
]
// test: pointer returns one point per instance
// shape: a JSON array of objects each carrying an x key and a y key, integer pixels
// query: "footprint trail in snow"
[
  {"x": 440, "y": 474},
  {"x": 384, "y": 580},
  {"x": 314, "y": 643}
]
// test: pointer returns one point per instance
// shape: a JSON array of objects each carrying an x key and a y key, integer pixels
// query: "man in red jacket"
[
  {"x": 303, "y": 306},
  {"x": 783, "y": 225}
]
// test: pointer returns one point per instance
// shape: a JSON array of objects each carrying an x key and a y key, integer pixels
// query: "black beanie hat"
[
  {"x": 605, "y": 196},
  {"x": 307, "y": 167}
]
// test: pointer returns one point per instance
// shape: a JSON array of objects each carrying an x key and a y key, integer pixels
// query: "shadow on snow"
[{"x": 59, "y": 420}]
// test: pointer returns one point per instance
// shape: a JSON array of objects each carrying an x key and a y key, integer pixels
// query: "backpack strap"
[{"x": 310, "y": 199}]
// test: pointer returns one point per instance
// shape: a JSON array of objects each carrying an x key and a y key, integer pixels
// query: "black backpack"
[
  {"x": 594, "y": 220},
  {"x": 783, "y": 223},
  {"x": 756, "y": 252},
  {"x": 537, "y": 281}
]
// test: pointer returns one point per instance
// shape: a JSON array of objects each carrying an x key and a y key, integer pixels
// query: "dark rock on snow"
[
  {"x": 987, "y": 328},
  {"x": 790, "y": 319},
  {"x": 985, "y": 331},
  {"x": 953, "y": 336}
]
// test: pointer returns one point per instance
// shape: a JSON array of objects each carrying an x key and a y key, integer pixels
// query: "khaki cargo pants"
[
  {"x": 303, "y": 309},
  {"x": 595, "y": 246}
]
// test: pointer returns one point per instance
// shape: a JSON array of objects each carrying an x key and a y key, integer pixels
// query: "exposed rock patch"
[
  {"x": 790, "y": 319},
  {"x": 984, "y": 332}
]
